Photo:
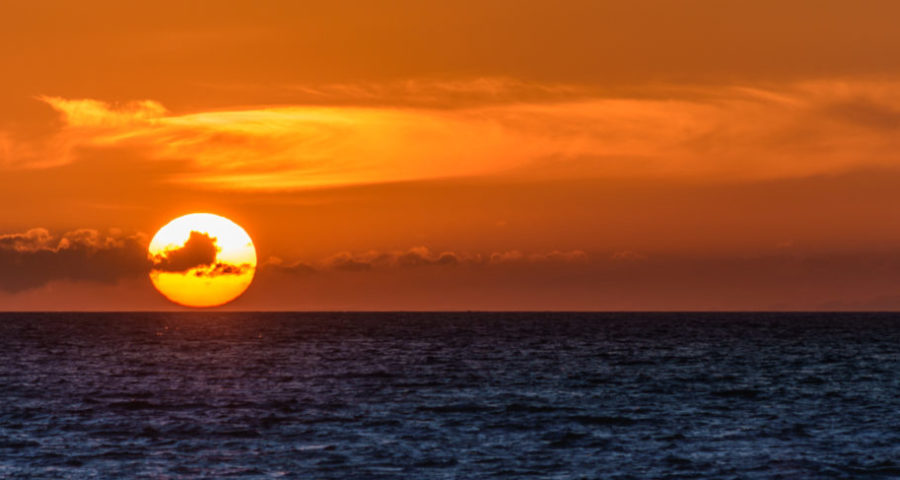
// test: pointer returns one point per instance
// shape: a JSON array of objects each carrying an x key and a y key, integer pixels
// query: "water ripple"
[{"x": 450, "y": 395}]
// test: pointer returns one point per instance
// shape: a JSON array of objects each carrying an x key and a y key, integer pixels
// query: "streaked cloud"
[{"x": 508, "y": 128}]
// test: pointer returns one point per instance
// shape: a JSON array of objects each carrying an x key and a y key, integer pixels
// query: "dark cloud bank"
[
  {"x": 37, "y": 257},
  {"x": 623, "y": 280}
]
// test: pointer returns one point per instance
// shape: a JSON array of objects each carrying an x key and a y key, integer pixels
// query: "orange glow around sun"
[{"x": 202, "y": 260}]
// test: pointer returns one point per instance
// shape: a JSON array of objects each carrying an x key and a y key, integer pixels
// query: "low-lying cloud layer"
[
  {"x": 35, "y": 258},
  {"x": 420, "y": 257},
  {"x": 420, "y": 277},
  {"x": 625, "y": 280}
]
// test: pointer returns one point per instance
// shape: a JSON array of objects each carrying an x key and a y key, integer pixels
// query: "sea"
[{"x": 457, "y": 395}]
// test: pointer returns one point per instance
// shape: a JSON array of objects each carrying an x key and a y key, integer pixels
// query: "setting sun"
[{"x": 202, "y": 260}]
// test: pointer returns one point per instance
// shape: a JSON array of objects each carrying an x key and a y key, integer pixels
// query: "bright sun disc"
[{"x": 202, "y": 260}]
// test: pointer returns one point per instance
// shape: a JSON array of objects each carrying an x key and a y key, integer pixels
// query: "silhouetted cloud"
[
  {"x": 414, "y": 257},
  {"x": 345, "y": 261},
  {"x": 198, "y": 256},
  {"x": 610, "y": 280},
  {"x": 424, "y": 257},
  {"x": 515, "y": 256},
  {"x": 628, "y": 256},
  {"x": 295, "y": 268},
  {"x": 35, "y": 258},
  {"x": 224, "y": 269},
  {"x": 200, "y": 250},
  {"x": 421, "y": 256},
  {"x": 33, "y": 239}
]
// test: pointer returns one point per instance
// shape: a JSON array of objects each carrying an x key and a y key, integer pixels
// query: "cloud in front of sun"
[{"x": 202, "y": 260}]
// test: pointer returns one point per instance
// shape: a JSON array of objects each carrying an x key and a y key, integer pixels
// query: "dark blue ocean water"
[{"x": 449, "y": 395}]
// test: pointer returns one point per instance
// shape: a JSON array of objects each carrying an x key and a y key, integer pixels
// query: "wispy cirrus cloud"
[{"x": 499, "y": 127}]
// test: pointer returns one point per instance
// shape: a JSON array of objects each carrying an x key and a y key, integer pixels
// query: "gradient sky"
[{"x": 600, "y": 155}]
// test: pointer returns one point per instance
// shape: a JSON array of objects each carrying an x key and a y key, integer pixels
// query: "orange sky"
[{"x": 692, "y": 154}]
